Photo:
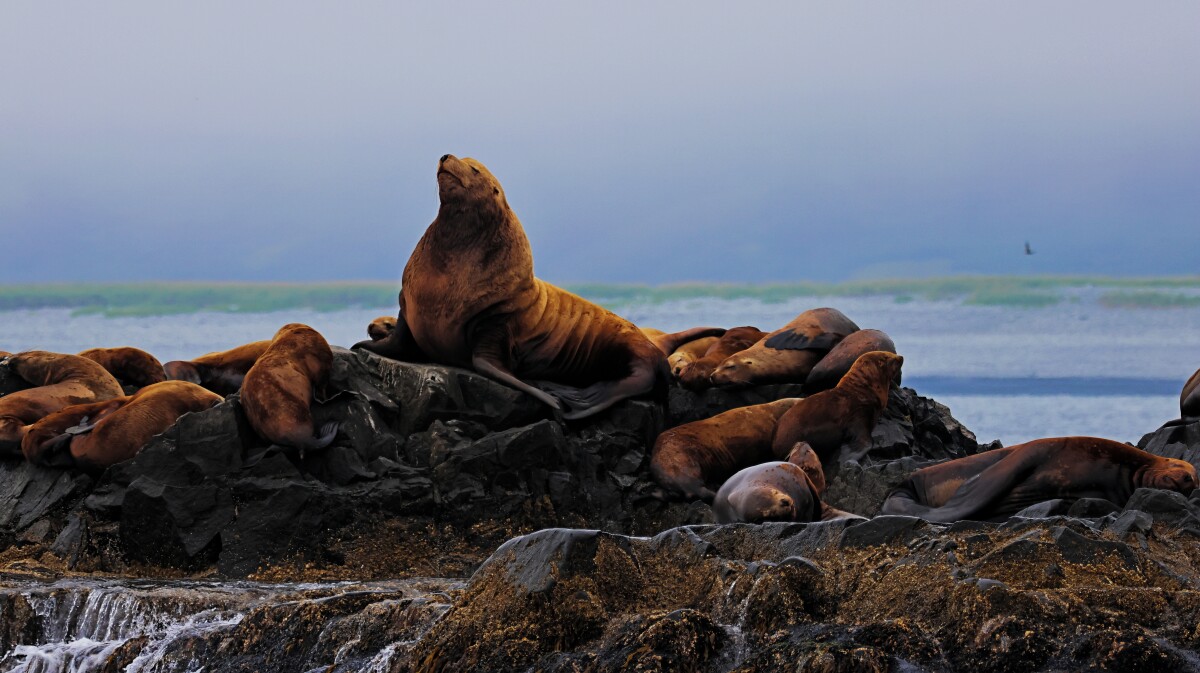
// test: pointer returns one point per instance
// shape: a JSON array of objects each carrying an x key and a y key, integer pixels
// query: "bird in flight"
[{"x": 1028, "y": 250}]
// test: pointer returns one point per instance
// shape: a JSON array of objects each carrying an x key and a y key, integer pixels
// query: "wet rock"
[
  {"x": 29, "y": 493},
  {"x": 1092, "y": 508},
  {"x": 682, "y": 640},
  {"x": 1076, "y": 548},
  {"x": 888, "y": 529},
  {"x": 1176, "y": 439},
  {"x": 1165, "y": 506},
  {"x": 1045, "y": 509}
]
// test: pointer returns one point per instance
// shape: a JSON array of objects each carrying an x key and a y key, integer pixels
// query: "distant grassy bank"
[{"x": 152, "y": 298}]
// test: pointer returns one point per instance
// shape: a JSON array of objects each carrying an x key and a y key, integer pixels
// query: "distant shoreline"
[{"x": 151, "y": 298}]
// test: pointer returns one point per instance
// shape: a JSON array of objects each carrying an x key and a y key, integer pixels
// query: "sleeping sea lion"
[
  {"x": 773, "y": 491},
  {"x": 59, "y": 380},
  {"x": 688, "y": 353},
  {"x": 693, "y": 459},
  {"x": 221, "y": 372},
  {"x": 381, "y": 327},
  {"x": 131, "y": 366},
  {"x": 789, "y": 353},
  {"x": 278, "y": 391},
  {"x": 842, "y": 416},
  {"x": 999, "y": 483},
  {"x": 841, "y": 357},
  {"x": 1189, "y": 399},
  {"x": 99, "y": 434},
  {"x": 469, "y": 299},
  {"x": 696, "y": 375},
  {"x": 669, "y": 342}
]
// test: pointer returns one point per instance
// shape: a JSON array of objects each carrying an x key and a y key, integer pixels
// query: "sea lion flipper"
[
  {"x": 488, "y": 367},
  {"x": 669, "y": 343},
  {"x": 978, "y": 493},
  {"x": 795, "y": 341}
]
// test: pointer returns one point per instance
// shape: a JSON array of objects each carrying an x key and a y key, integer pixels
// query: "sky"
[{"x": 637, "y": 142}]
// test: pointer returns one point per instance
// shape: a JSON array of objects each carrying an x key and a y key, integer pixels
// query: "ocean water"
[{"x": 1007, "y": 373}]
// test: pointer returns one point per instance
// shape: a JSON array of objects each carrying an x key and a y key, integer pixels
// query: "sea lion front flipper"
[{"x": 794, "y": 341}]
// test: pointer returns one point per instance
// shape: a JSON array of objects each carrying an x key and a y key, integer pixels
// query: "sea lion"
[
  {"x": 693, "y": 459},
  {"x": 381, "y": 327},
  {"x": 843, "y": 416},
  {"x": 688, "y": 353},
  {"x": 669, "y": 342},
  {"x": 696, "y": 375},
  {"x": 99, "y": 434},
  {"x": 221, "y": 372},
  {"x": 277, "y": 393},
  {"x": 469, "y": 299},
  {"x": 1189, "y": 399},
  {"x": 773, "y": 491},
  {"x": 60, "y": 380},
  {"x": 131, "y": 366},
  {"x": 789, "y": 353},
  {"x": 1001, "y": 482},
  {"x": 841, "y": 357}
]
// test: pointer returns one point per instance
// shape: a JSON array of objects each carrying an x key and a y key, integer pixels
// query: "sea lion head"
[
  {"x": 466, "y": 184},
  {"x": 804, "y": 457},
  {"x": 181, "y": 370},
  {"x": 736, "y": 370},
  {"x": 1171, "y": 474},
  {"x": 766, "y": 503},
  {"x": 879, "y": 365}
]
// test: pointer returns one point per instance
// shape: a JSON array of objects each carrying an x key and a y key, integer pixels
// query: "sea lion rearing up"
[
  {"x": 278, "y": 391},
  {"x": 789, "y": 353},
  {"x": 469, "y": 299},
  {"x": 844, "y": 415},
  {"x": 694, "y": 459},
  {"x": 60, "y": 380},
  {"x": 131, "y": 366},
  {"x": 999, "y": 483},
  {"x": 221, "y": 372},
  {"x": 99, "y": 434}
]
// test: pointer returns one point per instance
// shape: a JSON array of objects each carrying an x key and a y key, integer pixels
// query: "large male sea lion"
[
  {"x": 131, "y": 366},
  {"x": 1189, "y": 399},
  {"x": 221, "y": 372},
  {"x": 59, "y": 380},
  {"x": 278, "y": 391},
  {"x": 469, "y": 299},
  {"x": 841, "y": 357},
  {"x": 844, "y": 415},
  {"x": 789, "y": 353},
  {"x": 696, "y": 375},
  {"x": 694, "y": 459},
  {"x": 1001, "y": 482},
  {"x": 99, "y": 434}
]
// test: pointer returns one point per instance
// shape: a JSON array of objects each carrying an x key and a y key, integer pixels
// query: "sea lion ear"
[
  {"x": 792, "y": 341},
  {"x": 495, "y": 190}
]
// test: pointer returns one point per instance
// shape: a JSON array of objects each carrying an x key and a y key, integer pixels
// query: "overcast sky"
[{"x": 637, "y": 142}]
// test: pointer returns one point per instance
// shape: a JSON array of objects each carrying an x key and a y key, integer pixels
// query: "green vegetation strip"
[{"x": 145, "y": 299}]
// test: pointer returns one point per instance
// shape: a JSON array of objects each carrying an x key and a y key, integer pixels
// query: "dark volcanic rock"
[{"x": 1177, "y": 439}]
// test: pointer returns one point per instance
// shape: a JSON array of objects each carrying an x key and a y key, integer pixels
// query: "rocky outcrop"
[
  {"x": 892, "y": 593},
  {"x": 422, "y": 451}
]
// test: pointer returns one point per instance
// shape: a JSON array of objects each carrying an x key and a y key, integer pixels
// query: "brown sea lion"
[
  {"x": 842, "y": 417},
  {"x": 469, "y": 299},
  {"x": 841, "y": 357},
  {"x": 131, "y": 366},
  {"x": 669, "y": 342},
  {"x": 789, "y": 353},
  {"x": 688, "y": 353},
  {"x": 999, "y": 483},
  {"x": 1189, "y": 399},
  {"x": 278, "y": 391},
  {"x": 99, "y": 434},
  {"x": 221, "y": 372},
  {"x": 381, "y": 327},
  {"x": 696, "y": 375},
  {"x": 59, "y": 380},
  {"x": 695, "y": 458},
  {"x": 772, "y": 491}
]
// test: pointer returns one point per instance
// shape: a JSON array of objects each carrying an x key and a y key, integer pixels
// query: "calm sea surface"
[{"x": 1007, "y": 373}]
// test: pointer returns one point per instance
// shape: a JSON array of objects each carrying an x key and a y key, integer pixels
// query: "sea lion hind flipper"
[
  {"x": 983, "y": 490},
  {"x": 55, "y": 452},
  {"x": 488, "y": 367},
  {"x": 669, "y": 343},
  {"x": 584, "y": 402},
  {"x": 328, "y": 434},
  {"x": 794, "y": 341}
]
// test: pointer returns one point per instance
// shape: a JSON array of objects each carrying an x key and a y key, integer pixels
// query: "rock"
[
  {"x": 887, "y": 529},
  {"x": 1177, "y": 439},
  {"x": 1045, "y": 509},
  {"x": 1165, "y": 506},
  {"x": 29, "y": 493},
  {"x": 685, "y": 406},
  {"x": 1092, "y": 508}
]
